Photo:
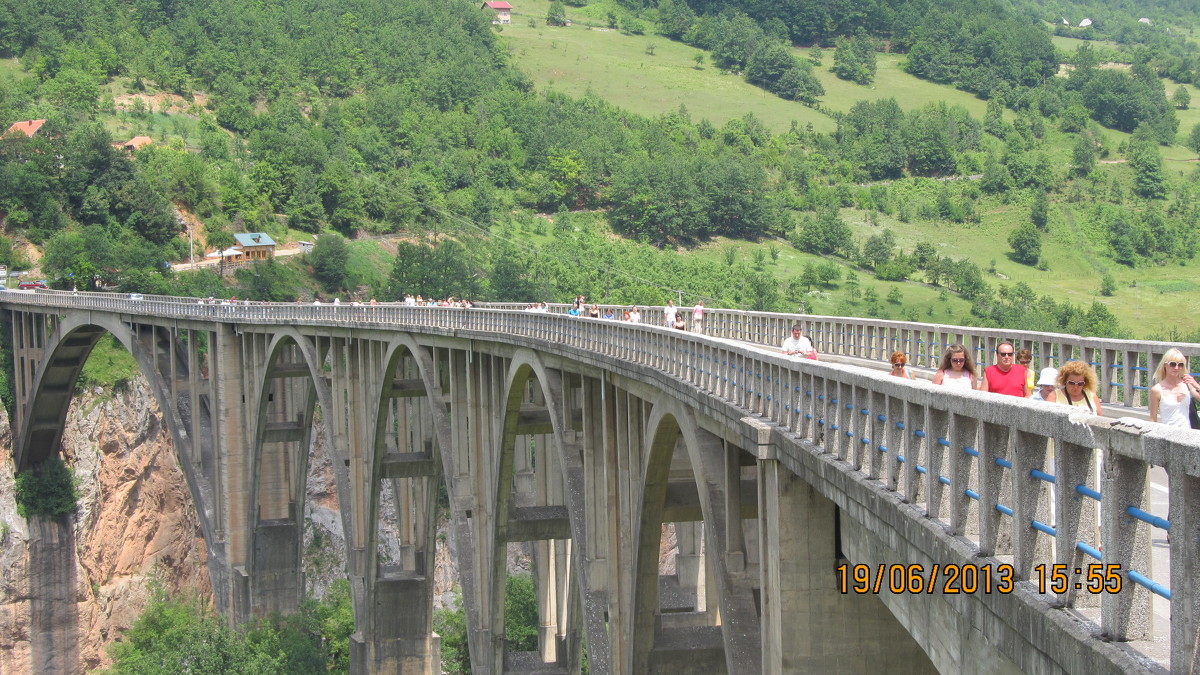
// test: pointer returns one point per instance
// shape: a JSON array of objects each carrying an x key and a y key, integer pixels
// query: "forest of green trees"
[
  {"x": 362, "y": 116},
  {"x": 386, "y": 129}
]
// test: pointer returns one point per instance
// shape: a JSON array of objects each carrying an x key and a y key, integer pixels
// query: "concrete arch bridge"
[{"x": 825, "y": 518}]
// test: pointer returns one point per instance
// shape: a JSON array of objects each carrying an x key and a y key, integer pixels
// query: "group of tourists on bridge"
[
  {"x": 673, "y": 317},
  {"x": 1174, "y": 398}
]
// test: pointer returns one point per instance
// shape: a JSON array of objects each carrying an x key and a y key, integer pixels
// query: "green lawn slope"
[{"x": 578, "y": 59}]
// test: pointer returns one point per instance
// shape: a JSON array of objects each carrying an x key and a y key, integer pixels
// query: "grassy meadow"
[
  {"x": 578, "y": 59},
  {"x": 620, "y": 68},
  {"x": 11, "y": 67}
]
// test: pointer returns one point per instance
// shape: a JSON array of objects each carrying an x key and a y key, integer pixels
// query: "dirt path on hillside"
[{"x": 161, "y": 102}]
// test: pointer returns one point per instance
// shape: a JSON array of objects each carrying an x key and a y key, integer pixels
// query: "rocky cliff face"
[
  {"x": 135, "y": 524},
  {"x": 136, "y": 527}
]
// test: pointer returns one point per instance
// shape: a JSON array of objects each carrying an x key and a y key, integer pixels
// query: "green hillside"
[
  {"x": 535, "y": 161},
  {"x": 619, "y": 67}
]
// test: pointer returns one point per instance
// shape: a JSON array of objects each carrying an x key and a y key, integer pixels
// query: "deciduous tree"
[{"x": 1026, "y": 243}]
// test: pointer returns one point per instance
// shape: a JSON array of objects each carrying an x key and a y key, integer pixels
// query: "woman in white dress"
[
  {"x": 1170, "y": 397},
  {"x": 957, "y": 369}
]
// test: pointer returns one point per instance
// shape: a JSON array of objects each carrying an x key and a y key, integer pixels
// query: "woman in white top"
[
  {"x": 957, "y": 369},
  {"x": 1171, "y": 397}
]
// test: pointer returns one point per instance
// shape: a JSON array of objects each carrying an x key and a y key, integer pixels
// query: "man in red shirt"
[{"x": 1006, "y": 377}]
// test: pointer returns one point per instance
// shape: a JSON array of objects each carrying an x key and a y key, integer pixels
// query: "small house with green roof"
[{"x": 255, "y": 245}]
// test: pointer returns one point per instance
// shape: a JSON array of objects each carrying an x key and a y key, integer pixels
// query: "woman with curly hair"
[
  {"x": 1077, "y": 381},
  {"x": 957, "y": 369},
  {"x": 1175, "y": 387}
]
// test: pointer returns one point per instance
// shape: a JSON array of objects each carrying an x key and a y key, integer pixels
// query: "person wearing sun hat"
[{"x": 1045, "y": 387}]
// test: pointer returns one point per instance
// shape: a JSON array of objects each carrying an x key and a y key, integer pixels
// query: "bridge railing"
[
  {"x": 1020, "y": 479},
  {"x": 1124, "y": 368}
]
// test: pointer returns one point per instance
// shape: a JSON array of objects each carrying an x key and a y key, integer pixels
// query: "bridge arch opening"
[
  {"x": 394, "y": 504},
  {"x": 533, "y": 528},
  {"x": 695, "y": 604},
  {"x": 282, "y": 432}
]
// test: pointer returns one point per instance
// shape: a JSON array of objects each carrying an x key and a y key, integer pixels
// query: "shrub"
[
  {"x": 48, "y": 490},
  {"x": 451, "y": 624}
]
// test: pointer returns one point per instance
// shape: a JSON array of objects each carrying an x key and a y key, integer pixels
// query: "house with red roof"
[
  {"x": 502, "y": 9},
  {"x": 134, "y": 144},
  {"x": 28, "y": 127}
]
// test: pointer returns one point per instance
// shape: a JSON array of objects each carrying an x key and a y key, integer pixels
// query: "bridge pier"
[
  {"x": 809, "y": 624},
  {"x": 395, "y": 635}
]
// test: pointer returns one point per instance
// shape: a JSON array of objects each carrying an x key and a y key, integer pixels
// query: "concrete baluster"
[
  {"x": 1129, "y": 395},
  {"x": 1185, "y": 555},
  {"x": 937, "y": 442},
  {"x": 912, "y": 448},
  {"x": 841, "y": 421},
  {"x": 893, "y": 443},
  {"x": 994, "y": 527},
  {"x": 1108, "y": 390},
  {"x": 964, "y": 475},
  {"x": 860, "y": 425},
  {"x": 1076, "y": 518},
  {"x": 1031, "y": 501},
  {"x": 875, "y": 462},
  {"x": 1126, "y": 615}
]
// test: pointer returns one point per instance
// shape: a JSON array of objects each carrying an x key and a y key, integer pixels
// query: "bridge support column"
[
  {"x": 398, "y": 611},
  {"x": 809, "y": 625},
  {"x": 234, "y": 467}
]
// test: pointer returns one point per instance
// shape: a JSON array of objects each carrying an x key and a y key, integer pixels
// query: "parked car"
[
  {"x": 135, "y": 296},
  {"x": 31, "y": 285}
]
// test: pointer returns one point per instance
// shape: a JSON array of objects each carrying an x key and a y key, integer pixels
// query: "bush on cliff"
[{"x": 46, "y": 491}]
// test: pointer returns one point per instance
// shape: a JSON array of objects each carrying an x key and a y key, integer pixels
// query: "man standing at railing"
[
  {"x": 669, "y": 314},
  {"x": 1006, "y": 376},
  {"x": 798, "y": 345}
]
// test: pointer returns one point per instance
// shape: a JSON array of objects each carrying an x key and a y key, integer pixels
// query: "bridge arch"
[
  {"x": 725, "y": 636},
  {"x": 69, "y": 346},
  {"x": 286, "y": 394},
  {"x": 406, "y": 455},
  {"x": 531, "y": 506}
]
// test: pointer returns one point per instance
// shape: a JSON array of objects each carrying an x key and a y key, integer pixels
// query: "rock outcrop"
[{"x": 135, "y": 527}]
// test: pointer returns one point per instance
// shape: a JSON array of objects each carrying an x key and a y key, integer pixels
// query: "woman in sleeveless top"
[
  {"x": 957, "y": 370},
  {"x": 1077, "y": 381},
  {"x": 1171, "y": 397}
]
